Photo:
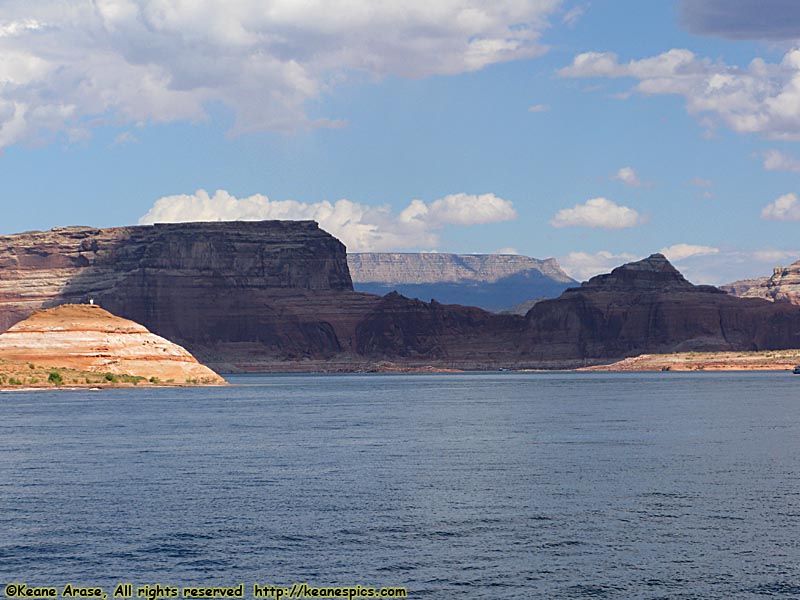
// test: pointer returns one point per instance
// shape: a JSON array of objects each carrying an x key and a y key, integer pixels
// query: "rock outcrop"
[
  {"x": 88, "y": 338},
  {"x": 648, "y": 307},
  {"x": 782, "y": 286},
  {"x": 742, "y": 286},
  {"x": 276, "y": 295},
  {"x": 408, "y": 329},
  {"x": 490, "y": 281},
  {"x": 276, "y": 288}
]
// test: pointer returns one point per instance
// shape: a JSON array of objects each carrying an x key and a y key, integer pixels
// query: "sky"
[{"x": 593, "y": 131}]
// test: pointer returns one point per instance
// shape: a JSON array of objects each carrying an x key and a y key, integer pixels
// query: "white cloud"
[
  {"x": 573, "y": 15},
  {"x": 628, "y": 176},
  {"x": 597, "y": 212},
  {"x": 362, "y": 228},
  {"x": 582, "y": 265},
  {"x": 507, "y": 251},
  {"x": 761, "y": 98},
  {"x": 65, "y": 65},
  {"x": 126, "y": 137},
  {"x": 539, "y": 108},
  {"x": 785, "y": 208},
  {"x": 775, "y": 160},
  {"x": 678, "y": 252}
]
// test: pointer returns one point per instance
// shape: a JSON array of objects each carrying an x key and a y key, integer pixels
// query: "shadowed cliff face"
[
  {"x": 648, "y": 306},
  {"x": 277, "y": 284},
  {"x": 254, "y": 295}
]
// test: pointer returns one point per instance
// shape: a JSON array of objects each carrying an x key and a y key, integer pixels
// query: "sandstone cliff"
[
  {"x": 277, "y": 288},
  {"x": 277, "y": 295},
  {"x": 648, "y": 307},
  {"x": 90, "y": 339},
  {"x": 782, "y": 286},
  {"x": 740, "y": 287},
  {"x": 490, "y": 281}
]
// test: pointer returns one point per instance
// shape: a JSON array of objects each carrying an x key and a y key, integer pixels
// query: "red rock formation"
[
  {"x": 782, "y": 286},
  {"x": 88, "y": 338},
  {"x": 276, "y": 288},
  {"x": 254, "y": 295},
  {"x": 648, "y": 307}
]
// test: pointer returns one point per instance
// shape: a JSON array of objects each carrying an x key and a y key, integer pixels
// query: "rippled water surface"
[{"x": 454, "y": 486}]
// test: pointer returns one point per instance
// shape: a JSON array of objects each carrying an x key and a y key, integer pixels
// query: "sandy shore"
[{"x": 769, "y": 360}]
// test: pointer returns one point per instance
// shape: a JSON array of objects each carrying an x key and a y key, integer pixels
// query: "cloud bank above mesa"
[
  {"x": 360, "y": 227},
  {"x": 66, "y": 65}
]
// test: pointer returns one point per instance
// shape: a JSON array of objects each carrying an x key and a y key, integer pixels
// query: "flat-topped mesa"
[
  {"x": 88, "y": 338},
  {"x": 438, "y": 267},
  {"x": 490, "y": 281},
  {"x": 276, "y": 284}
]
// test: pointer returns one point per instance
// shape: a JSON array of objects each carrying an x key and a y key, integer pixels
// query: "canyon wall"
[
  {"x": 272, "y": 287},
  {"x": 273, "y": 295}
]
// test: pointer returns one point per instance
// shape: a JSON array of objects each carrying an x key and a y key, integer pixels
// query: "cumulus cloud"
[
  {"x": 762, "y": 98},
  {"x": 362, "y": 228},
  {"x": 742, "y": 19},
  {"x": 785, "y": 208},
  {"x": 678, "y": 252},
  {"x": 775, "y": 160},
  {"x": 583, "y": 265},
  {"x": 628, "y": 176},
  {"x": 66, "y": 65},
  {"x": 597, "y": 212}
]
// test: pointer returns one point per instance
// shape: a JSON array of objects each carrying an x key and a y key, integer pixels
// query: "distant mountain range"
[{"x": 494, "y": 282}]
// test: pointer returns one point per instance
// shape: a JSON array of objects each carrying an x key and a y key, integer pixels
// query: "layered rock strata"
[
  {"x": 279, "y": 288},
  {"x": 648, "y": 307},
  {"x": 275, "y": 295},
  {"x": 782, "y": 286},
  {"x": 490, "y": 281},
  {"x": 88, "y": 338}
]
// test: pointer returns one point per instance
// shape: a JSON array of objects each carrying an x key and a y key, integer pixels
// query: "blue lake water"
[{"x": 496, "y": 485}]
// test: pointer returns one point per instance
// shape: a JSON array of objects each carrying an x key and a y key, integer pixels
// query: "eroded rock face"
[
  {"x": 404, "y": 328},
  {"x": 648, "y": 307},
  {"x": 88, "y": 338},
  {"x": 782, "y": 286},
  {"x": 490, "y": 281},
  {"x": 273, "y": 287},
  {"x": 254, "y": 295}
]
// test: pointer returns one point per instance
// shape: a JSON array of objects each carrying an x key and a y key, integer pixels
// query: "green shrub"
[{"x": 55, "y": 378}]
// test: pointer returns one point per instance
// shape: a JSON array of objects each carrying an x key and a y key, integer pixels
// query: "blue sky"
[{"x": 593, "y": 131}]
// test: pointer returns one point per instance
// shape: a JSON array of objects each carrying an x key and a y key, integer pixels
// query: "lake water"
[{"x": 496, "y": 485}]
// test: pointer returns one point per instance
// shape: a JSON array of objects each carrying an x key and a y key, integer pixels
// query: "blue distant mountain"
[{"x": 495, "y": 282}]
